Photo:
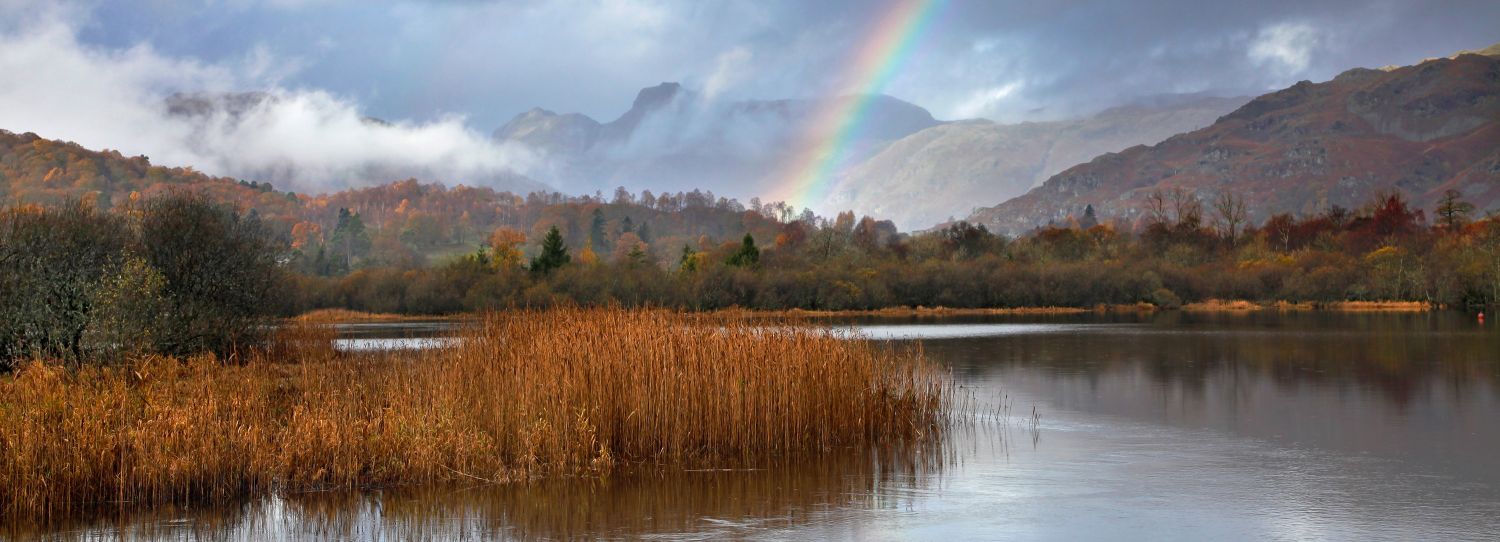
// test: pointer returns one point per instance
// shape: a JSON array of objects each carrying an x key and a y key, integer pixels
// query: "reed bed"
[{"x": 525, "y": 395}]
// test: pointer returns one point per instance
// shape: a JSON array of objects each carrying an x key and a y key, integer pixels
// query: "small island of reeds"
[{"x": 522, "y": 395}]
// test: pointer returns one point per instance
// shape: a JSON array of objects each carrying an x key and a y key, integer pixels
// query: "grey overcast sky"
[
  {"x": 1004, "y": 60},
  {"x": 448, "y": 73}
]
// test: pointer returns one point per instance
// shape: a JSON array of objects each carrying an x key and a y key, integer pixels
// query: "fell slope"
[
  {"x": 947, "y": 170},
  {"x": 1420, "y": 129}
]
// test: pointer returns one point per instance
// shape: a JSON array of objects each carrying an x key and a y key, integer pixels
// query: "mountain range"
[
  {"x": 903, "y": 164},
  {"x": 1421, "y": 130}
]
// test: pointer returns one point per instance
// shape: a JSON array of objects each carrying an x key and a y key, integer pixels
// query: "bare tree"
[
  {"x": 1230, "y": 211},
  {"x": 1187, "y": 208},
  {"x": 1156, "y": 207}
]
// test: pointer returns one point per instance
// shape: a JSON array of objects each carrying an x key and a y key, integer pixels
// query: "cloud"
[
  {"x": 982, "y": 102},
  {"x": 1286, "y": 47},
  {"x": 729, "y": 69},
  {"x": 307, "y": 139}
]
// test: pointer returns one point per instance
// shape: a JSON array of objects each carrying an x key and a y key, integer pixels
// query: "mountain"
[
  {"x": 929, "y": 176},
  {"x": 1420, "y": 129},
  {"x": 673, "y": 138}
]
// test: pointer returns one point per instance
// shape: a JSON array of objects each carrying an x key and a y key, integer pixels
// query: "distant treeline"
[
  {"x": 185, "y": 271},
  {"x": 1185, "y": 251}
]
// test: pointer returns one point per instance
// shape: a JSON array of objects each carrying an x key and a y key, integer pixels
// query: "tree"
[
  {"x": 218, "y": 268},
  {"x": 554, "y": 253},
  {"x": 1453, "y": 212},
  {"x": 505, "y": 247},
  {"x": 1089, "y": 220},
  {"x": 1187, "y": 208},
  {"x": 966, "y": 241},
  {"x": 350, "y": 238},
  {"x": 52, "y": 260},
  {"x": 1279, "y": 229},
  {"x": 1230, "y": 215},
  {"x": 596, "y": 231},
  {"x": 688, "y": 263},
  {"x": 1156, "y": 208},
  {"x": 626, "y": 244},
  {"x": 747, "y": 255}
]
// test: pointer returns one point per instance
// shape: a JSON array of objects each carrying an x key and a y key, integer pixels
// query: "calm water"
[{"x": 1174, "y": 426}]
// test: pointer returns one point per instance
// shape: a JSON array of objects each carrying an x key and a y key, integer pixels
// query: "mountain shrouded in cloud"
[
  {"x": 904, "y": 165},
  {"x": 182, "y": 111},
  {"x": 673, "y": 138}
]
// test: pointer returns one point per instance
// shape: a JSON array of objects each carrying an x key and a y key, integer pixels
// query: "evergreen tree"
[
  {"x": 688, "y": 263},
  {"x": 636, "y": 257},
  {"x": 626, "y": 226},
  {"x": 644, "y": 232},
  {"x": 596, "y": 232},
  {"x": 1089, "y": 220},
  {"x": 747, "y": 255},
  {"x": 554, "y": 253},
  {"x": 350, "y": 238}
]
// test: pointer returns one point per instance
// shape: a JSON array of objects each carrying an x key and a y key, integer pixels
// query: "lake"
[{"x": 1174, "y": 425}]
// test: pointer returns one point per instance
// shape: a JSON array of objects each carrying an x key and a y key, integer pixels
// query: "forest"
[
  {"x": 1182, "y": 250},
  {"x": 418, "y": 248}
]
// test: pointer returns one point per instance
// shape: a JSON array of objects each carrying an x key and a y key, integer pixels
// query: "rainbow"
[{"x": 839, "y": 120}]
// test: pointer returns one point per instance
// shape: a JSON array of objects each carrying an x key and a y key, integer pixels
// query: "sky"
[{"x": 448, "y": 72}]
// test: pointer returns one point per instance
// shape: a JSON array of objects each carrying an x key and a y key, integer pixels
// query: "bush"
[
  {"x": 177, "y": 275},
  {"x": 219, "y": 269},
  {"x": 52, "y": 262}
]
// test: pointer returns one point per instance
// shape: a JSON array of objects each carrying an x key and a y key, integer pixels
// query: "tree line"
[{"x": 1184, "y": 250}]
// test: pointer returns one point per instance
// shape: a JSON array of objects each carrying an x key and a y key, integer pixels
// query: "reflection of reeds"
[
  {"x": 526, "y": 395},
  {"x": 717, "y": 503}
]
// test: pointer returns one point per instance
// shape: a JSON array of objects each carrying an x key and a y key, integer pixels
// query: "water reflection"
[
  {"x": 1176, "y": 425},
  {"x": 665, "y": 504}
]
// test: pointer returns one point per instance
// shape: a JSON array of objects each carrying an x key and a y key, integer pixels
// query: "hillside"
[
  {"x": 34, "y": 169},
  {"x": 407, "y": 223},
  {"x": 942, "y": 171},
  {"x": 1420, "y": 129}
]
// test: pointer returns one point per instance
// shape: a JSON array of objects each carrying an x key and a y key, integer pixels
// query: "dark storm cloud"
[{"x": 1005, "y": 60}]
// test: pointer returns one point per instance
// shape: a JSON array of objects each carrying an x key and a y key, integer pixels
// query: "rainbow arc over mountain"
[{"x": 839, "y": 121}]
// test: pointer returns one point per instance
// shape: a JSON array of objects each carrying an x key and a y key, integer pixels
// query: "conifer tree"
[{"x": 554, "y": 253}]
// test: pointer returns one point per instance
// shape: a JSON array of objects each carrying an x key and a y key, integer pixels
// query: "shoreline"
[{"x": 339, "y": 316}]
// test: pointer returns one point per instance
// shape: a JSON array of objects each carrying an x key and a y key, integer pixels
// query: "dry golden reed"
[{"x": 525, "y": 394}]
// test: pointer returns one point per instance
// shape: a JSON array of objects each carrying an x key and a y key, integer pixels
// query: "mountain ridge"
[{"x": 1420, "y": 129}]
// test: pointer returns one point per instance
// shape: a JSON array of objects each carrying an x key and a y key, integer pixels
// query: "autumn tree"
[
  {"x": 625, "y": 244},
  {"x": 505, "y": 247}
]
